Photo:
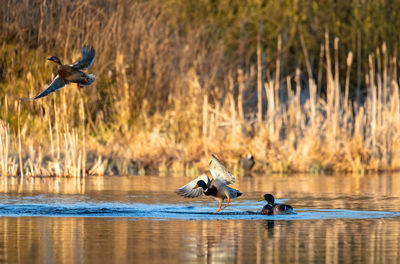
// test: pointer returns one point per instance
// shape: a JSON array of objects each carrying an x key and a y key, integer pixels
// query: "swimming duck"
[
  {"x": 247, "y": 162},
  {"x": 271, "y": 208},
  {"x": 70, "y": 73},
  {"x": 217, "y": 187}
]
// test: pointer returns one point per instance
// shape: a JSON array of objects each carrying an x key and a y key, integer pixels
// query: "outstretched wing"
[
  {"x": 218, "y": 171},
  {"x": 188, "y": 191},
  {"x": 55, "y": 85},
  {"x": 87, "y": 59}
]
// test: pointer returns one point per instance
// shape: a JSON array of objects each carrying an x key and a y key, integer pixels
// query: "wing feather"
[
  {"x": 218, "y": 171},
  {"x": 55, "y": 85},
  {"x": 88, "y": 55},
  {"x": 188, "y": 191}
]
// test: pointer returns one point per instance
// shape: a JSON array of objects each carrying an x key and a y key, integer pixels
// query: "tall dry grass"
[{"x": 166, "y": 98}]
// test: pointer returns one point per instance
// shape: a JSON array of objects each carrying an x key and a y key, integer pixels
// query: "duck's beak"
[
  {"x": 195, "y": 187},
  {"x": 262, "y": 199}
]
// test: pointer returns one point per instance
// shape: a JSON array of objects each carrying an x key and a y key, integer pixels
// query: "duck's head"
[
  {"x": 269, "y": 198},
  {"x": 55, "y": 59},
  {"x": 201, "y": 184}
]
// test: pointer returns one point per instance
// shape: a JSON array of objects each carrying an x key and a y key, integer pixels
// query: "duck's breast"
[
  {"x": 67, "y": 73},
  {"x": 267, "y": 210}
]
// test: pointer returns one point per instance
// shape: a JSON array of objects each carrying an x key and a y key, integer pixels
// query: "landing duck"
[
  {"x": 271, "y": 208},
  {"x": 70, "y": 73},
  {"x": 216, "y": 187}
]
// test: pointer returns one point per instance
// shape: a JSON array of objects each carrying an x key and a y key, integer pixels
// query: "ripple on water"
[{"x": 178, "y": 211}]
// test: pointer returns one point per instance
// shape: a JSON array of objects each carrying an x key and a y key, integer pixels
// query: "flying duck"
[{"x": 70, "y": 73}]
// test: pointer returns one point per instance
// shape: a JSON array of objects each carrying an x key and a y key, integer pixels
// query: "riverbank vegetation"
[{"x": 306, "y": 86}]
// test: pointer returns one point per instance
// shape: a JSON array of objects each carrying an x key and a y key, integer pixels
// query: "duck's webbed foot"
[
  {"x": 219, "y": 209},
  {"x": 227, "y": 203}
]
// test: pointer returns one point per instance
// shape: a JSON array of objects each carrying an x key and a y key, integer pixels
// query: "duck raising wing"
[
  {"x": 218, "y": 171},
  {"x": 55, "y": 85},
  {"x": 88, "y": 55},
  {"x": 188, "y": 191}
]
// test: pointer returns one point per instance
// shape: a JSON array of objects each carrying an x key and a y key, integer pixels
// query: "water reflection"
[
  {"x": 380, "y": 192},
  {"x": 94, "y": 240},
  {"x": 280, "y": 185}
]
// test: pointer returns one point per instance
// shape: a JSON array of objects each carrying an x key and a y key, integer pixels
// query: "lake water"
[{"x": 139, "y": 219}]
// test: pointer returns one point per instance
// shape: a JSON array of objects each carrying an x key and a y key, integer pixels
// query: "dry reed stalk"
[
  {"x": 21, "y": 169},
  {"x": 52, "y": 150},
  {"x": 329, "y": 82},
  {"x": 233, "y": 111},
  {"x": 57, "y": 129},
  {"x": 385, "y": 74},
  {"x": 270, "y": 94},
  {"x": 311, "y": 81},
  {"x": 241, "y": 87},
  {"x": 259, "y": 74},
  {"x": 3, "y": 148},
  {"x": 297, "y": 103},
  {"x": 320, "y": 68},
  {"x": 349, "y": 62},
  {"x": 359, "y": 56},
  {"x": 332, "y": 94},
  {"x": 278, "y": 70},
  {"x": 205, "y": 117},
  {"x": 394, "y": 73},
  {"x": 82, "y": 116},
  {"x": 373, "y": 100},
  {"x": 336, "y": 83},
  {"x": 4, "y": 140}
]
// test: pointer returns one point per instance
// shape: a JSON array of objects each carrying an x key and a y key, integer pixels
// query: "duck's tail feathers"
[
  {"x": 233, "y": 193},
  {"x": 90, "y": 79}
]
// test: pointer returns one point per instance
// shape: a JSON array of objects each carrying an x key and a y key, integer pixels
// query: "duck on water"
[
  {"x": 217, "y": 187},
  {"x": 272, "y": 208}
]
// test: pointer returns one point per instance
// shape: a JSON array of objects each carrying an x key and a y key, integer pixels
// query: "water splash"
[{"x": 245, "y": 210}]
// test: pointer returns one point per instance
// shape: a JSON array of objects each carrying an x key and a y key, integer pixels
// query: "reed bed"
[{"x": 165, "y": 100}]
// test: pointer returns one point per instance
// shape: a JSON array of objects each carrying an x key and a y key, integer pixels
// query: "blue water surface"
[{"x": 77, "y": 206}]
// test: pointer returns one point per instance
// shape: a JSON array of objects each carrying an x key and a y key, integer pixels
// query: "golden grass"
[{"x": 164, "y": 104}]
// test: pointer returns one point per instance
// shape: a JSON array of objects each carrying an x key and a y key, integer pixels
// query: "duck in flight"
[
  {"x": 70, "y": 73},
  {"x": 216, "y": 187}
]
